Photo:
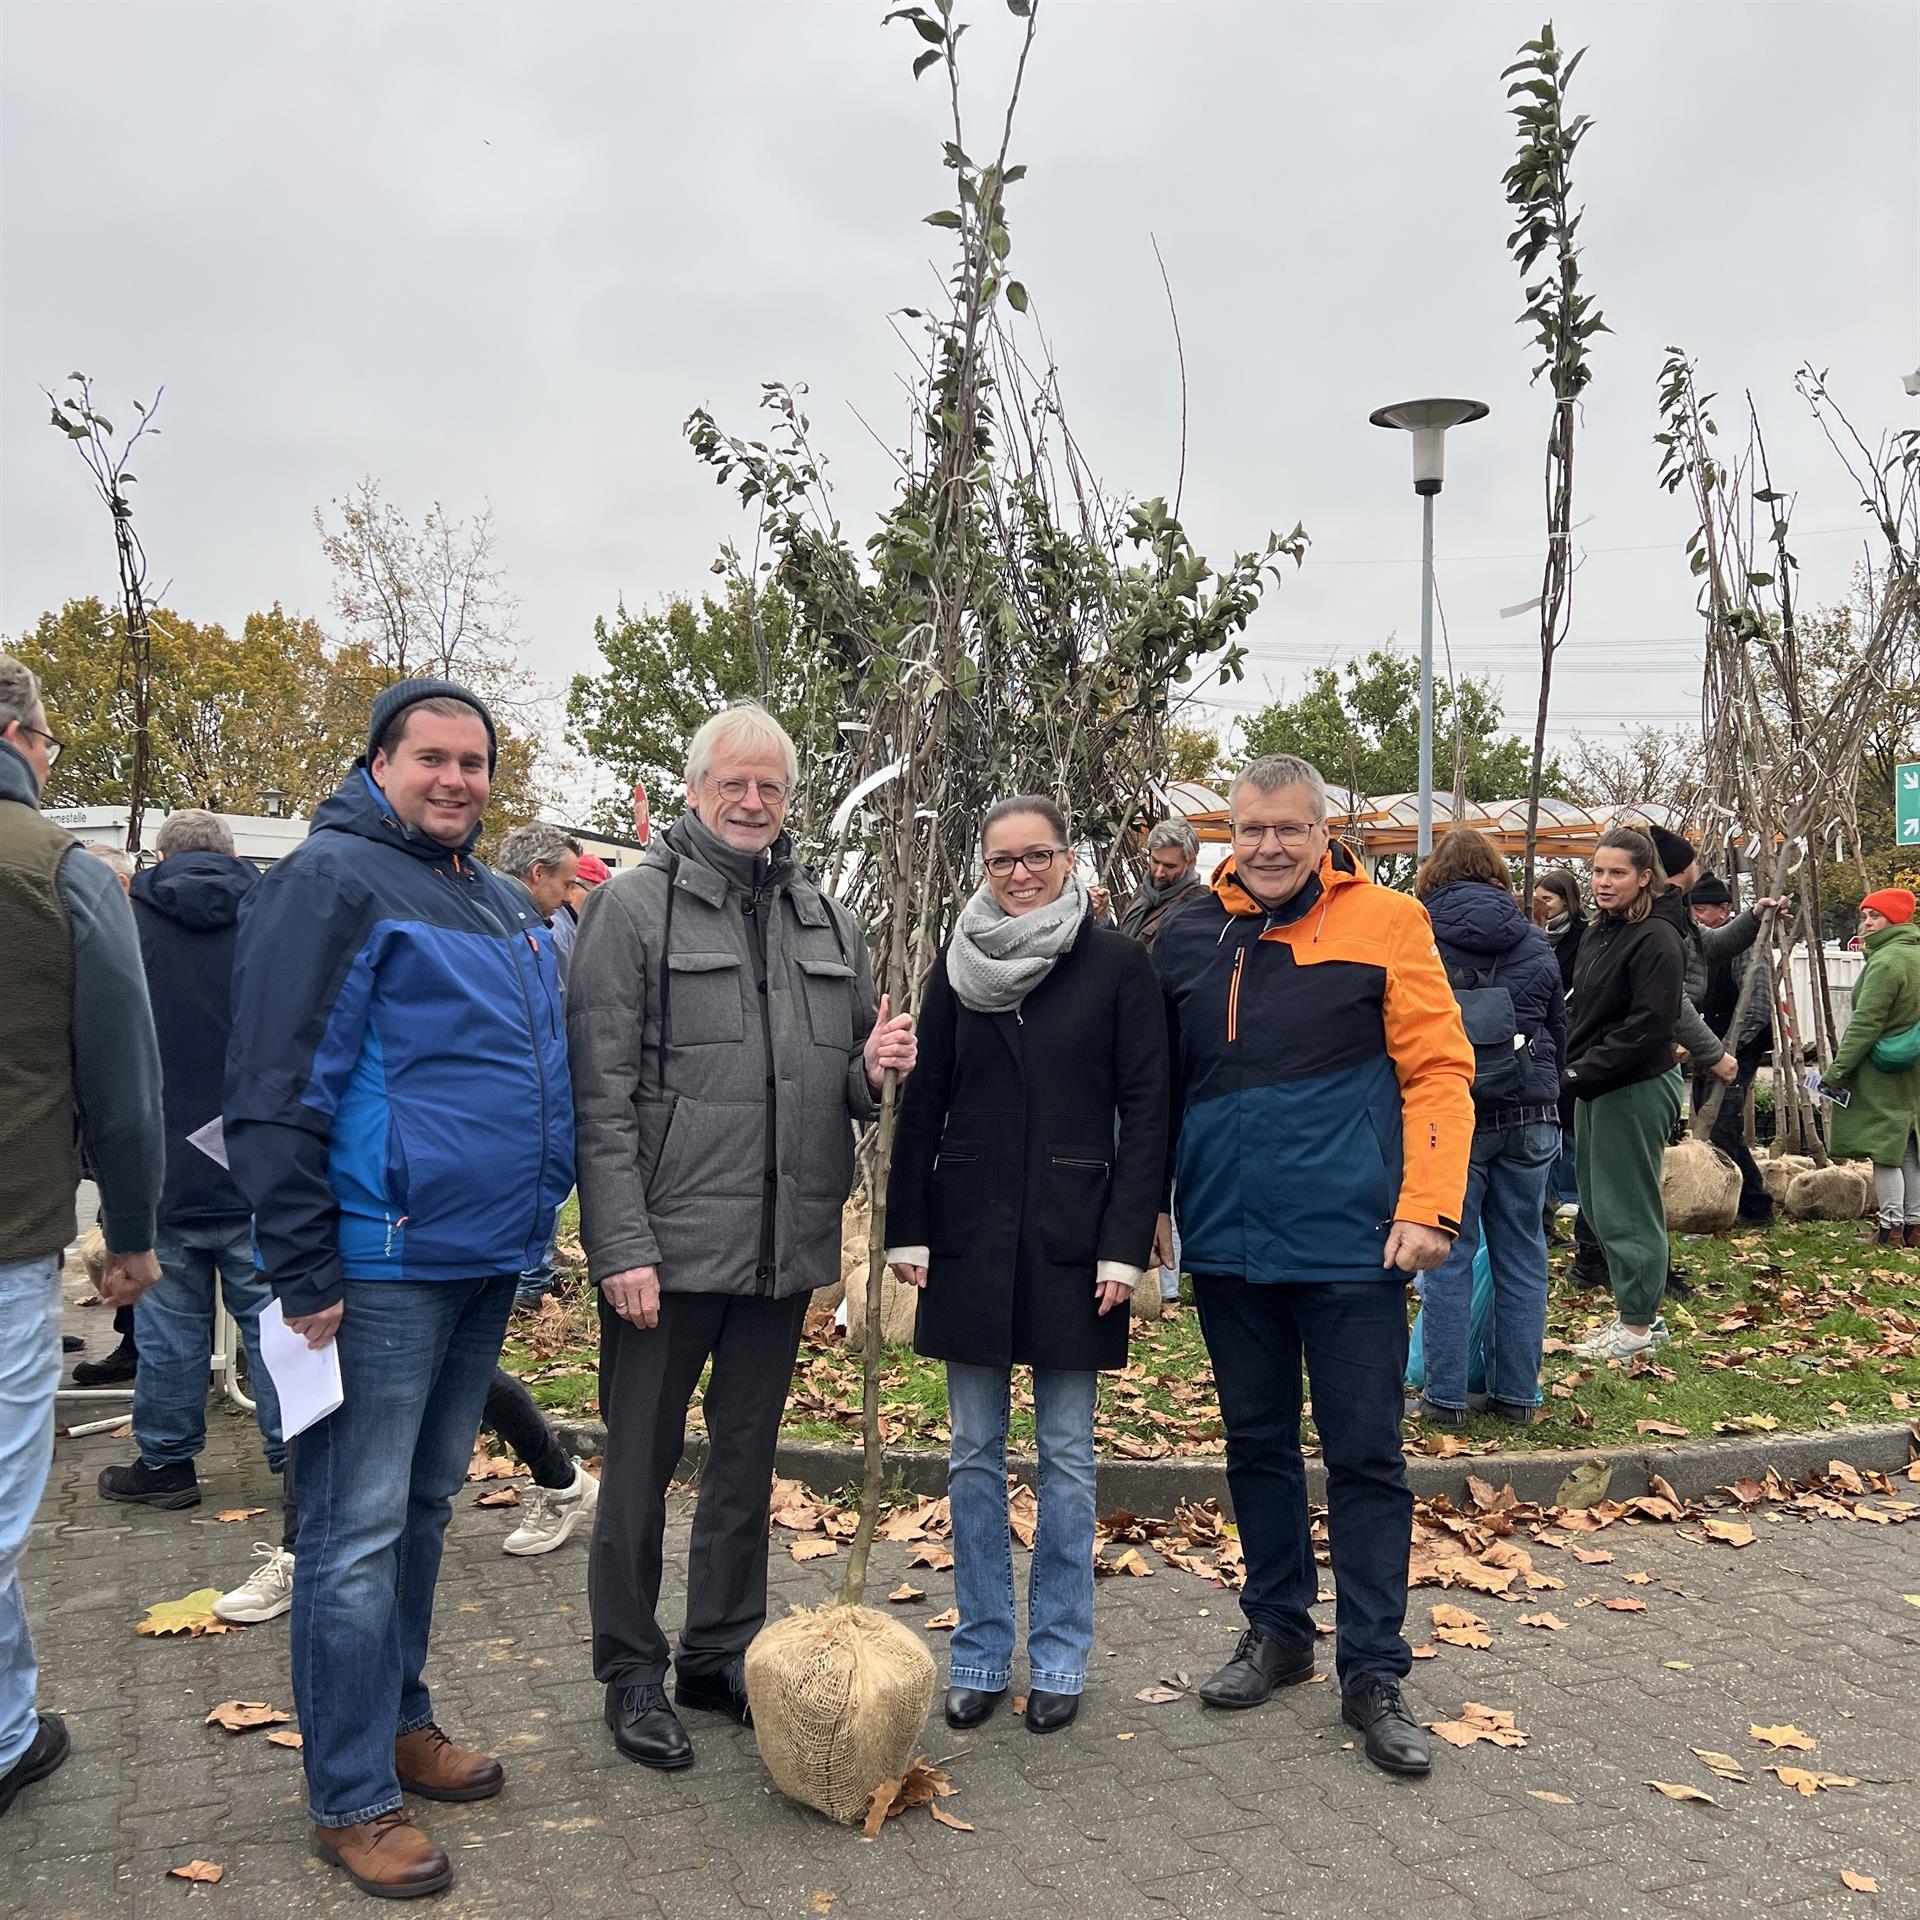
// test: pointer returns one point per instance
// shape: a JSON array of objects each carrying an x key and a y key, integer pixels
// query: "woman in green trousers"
[
  {"x": 1881, "y": 1120},
  {"x": 1627, "y": 985}
]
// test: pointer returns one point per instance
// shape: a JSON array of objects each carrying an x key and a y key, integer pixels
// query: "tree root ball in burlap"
[
  {"x": 92, "y": 1252},
  {"x": 1147, "y": 1304},
  {"x": 898, "y": 1303},
  {"x": 1700, "y": 1187},
  {"x": 1824, "y": 1193},
  {"x": 840, "y": 1699},
  {"x": 1777, "y": 1175}
]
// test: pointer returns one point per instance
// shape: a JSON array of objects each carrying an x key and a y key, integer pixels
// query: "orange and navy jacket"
[{"x": 1321, "y": 1077}]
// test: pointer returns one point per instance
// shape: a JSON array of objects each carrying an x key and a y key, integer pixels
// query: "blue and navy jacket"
[
  {"x": 1321, "y": 1077},
  {"x": 397, "y": 1099}
]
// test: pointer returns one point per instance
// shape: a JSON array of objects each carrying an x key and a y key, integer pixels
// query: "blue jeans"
[
  {"x": 29, "y": 1373},
  {"x": 1353, "y": 1336},
  {"x": 375, "y": 1483},
  {"x": 537, "y": 1282},
  {"x": 1060, "y": 1581},
  {"x": 1506, "y": 1200},
  {"x": 173, "y": 1325}
]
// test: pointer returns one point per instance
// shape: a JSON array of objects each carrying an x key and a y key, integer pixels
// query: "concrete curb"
[{"x": 1156, "y": 1486}]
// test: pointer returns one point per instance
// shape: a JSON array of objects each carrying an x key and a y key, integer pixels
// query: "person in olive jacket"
[
  {"x": 1026, "y": 1179},
  {"x": 1881, "y": 1120},
  {"x": 1627, "y": 992}
]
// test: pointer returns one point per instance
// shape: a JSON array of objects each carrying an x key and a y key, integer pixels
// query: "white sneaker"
[
  {"x": 1614, "y": 1342},
  {"x": 553, "y": 1514},
  {"x": 265, "y": 1594}
]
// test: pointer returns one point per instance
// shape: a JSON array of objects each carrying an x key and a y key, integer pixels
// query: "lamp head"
[{"x": 1428, "y": 421}]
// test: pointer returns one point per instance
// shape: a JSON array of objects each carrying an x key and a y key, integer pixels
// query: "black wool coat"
[{"x": 1031, "y": 1146}]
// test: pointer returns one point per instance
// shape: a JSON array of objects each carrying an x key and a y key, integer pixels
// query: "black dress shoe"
[
  {"x": 169, "y": 1488},
  {"x": 724, "y": 1690},
  {"x": 111, "y": 1370},
  {"x": 48, "y": 1748},
  {"x": 72, "y": 1343},
  {"x": 1395, "y": 1742},
  {"x": 1049, "y": 1712},
  {"x": 646, "y": 1729},
  {"x": 1259, "y": 1664},
  {"x": 971, "y": 1706}
]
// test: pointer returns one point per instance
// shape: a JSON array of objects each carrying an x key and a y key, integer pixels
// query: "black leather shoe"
[
  {"x": 72, "y": 1343},
  {"x": 111, "y": 1370},
  {"x": 971, "y": 1707},
  {"x": 1049, "y": 1712},
  {"x": 646, "y": 1729},
  {"x": 48, "y": 1748},
  {"x": 170, "y": 1487},
  {"x": 1259, "y": 1664},
  {"x": 1588, "y": 1270},
  {"x": 724, "y": 1690},
  {"x": 1395, "y": 1742}
]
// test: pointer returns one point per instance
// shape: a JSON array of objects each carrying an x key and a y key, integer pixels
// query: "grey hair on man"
[
  {"x": 19, "y": 693},
  {"x": 745, "y": 727},
  {"x": 537, "y": 844},
  {"x": 193, "y": 830},
  {"x": 118, "y": 858},
  {"x": 1272, "y": 771},
  {"x": 1174, "y": 834}
]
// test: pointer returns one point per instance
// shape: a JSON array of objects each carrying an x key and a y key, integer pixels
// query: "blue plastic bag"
[{"x": 1479, "y": 1319}]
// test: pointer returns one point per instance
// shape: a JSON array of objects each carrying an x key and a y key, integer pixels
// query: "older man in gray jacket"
[{"x": 724, "y": 1040}]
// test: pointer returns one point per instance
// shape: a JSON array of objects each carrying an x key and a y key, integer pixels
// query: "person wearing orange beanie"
[{"x": 1881, "y": 1120}]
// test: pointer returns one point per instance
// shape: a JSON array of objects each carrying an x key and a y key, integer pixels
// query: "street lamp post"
[{"x": 1427, "y": 421}]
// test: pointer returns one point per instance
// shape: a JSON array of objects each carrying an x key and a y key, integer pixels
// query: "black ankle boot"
[
  {"x": 111, "y": 1370},
  {"x": 971, "y": 1706}
]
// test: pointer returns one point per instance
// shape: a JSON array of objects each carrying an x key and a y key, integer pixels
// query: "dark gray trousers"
[{"x": 647, "y": 1377}]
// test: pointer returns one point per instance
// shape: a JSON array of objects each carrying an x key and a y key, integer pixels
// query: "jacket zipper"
[
  {"x": 539, "y": 1070},
  {"x": 1100, "y": 1166},
  {"x": 1233, "y": 997},
  {"x": 769, "y": 1232}
]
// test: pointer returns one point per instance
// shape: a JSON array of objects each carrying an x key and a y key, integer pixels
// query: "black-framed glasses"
[
  {"x": 1036, "y": 860},
  {"x": 55, "y": 745}
]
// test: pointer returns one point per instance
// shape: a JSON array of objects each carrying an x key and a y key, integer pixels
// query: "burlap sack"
[
  {"x": 1700, "y": 1187},
  {"x": 1824, "y": 1193},
  {"x": 91, "y": 1251},
  {"x": 1777, "y": 1175},
  {"x": 897, "y": 1305},
  {"x": 840, "y": 1699},
  {"x": 1862, "y": 1170}
]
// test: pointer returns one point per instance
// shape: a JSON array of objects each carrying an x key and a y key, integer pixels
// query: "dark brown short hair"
[
  {"x": 1464, "y": 853},
  {"x": 1638, "y": 848},
  {"x": 1025, "y": 803}
]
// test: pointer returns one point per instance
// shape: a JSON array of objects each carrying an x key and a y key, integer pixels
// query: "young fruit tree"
[{"x": 1008, "y": 626}]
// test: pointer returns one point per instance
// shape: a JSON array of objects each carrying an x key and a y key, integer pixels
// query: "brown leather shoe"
[
  {"x": 388, "y": 1856},
  {"x": 430, "y": 1765}
]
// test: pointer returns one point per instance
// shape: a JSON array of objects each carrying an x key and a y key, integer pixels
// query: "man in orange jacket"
[{"x": 1323, "y": 1118}]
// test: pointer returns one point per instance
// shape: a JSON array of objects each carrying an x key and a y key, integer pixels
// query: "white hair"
[
  {"x": 118, "y": 858},
  {"x": 1273, "y": 771},
  {"x": 746, "y": 726}
]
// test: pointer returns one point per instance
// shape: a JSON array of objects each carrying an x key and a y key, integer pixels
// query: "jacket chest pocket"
[
  {"x": 703, "y": 1000},
  {"x": 828, "y": 988},
  {"x": 1073, "y": 1200}
]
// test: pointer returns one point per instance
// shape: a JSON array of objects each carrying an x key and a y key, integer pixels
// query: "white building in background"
[{"x": 259, "y": 837}]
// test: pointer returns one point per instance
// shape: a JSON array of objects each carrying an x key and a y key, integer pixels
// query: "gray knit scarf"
[{"x": 995, "y": 959}]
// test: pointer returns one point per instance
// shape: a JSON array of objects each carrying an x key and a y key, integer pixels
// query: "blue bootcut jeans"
[
  {"x": 375, "y": 1483},
  {"x": 1353, "y": 1336},
  {"x": 173, "y": 1325},
  {"x": 29, "y": 1373},
  {"x": 1506, "y": 1200},
  {"x": 1060, "y": 1581}
]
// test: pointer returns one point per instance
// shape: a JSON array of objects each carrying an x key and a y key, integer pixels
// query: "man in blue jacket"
[{"x": 399, "y": 1115}]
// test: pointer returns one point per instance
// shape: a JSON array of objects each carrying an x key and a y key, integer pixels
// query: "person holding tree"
[{"x": 1026, "y": 1176}]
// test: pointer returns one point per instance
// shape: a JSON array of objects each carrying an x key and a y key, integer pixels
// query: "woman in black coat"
[{"x": 1026, "y": 1179}]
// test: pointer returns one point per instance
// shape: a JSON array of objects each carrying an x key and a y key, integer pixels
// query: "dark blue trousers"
[{"x": 1352, "y": 1336}]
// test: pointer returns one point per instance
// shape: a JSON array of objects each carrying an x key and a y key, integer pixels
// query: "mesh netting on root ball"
[
  {"x": 1700, "y": 1187},
  {"x": 840, "y": 1699}
]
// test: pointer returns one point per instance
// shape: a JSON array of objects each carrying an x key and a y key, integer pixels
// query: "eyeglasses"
[
  {"x": 1292, "y": 836},
  {"x": 772, "y": 793},
  {"x": 55, "y": 746},
  {"x": 1035, "y": 860}
]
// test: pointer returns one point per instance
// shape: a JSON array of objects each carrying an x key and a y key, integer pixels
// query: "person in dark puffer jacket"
[{"x": 1486, "y": 940}]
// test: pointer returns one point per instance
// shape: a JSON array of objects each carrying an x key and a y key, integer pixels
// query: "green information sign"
[{"x": 1906, "y": 804}]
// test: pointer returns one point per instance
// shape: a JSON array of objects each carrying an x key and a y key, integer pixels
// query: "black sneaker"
[
  {"x": 169, "y": 1488},
  {"x": 111, "y": 1370},
  {"x": 1395, "y": 1741},
  {"x": 49, "y": 1747},
  {"x": 1435, "y": 1415}
]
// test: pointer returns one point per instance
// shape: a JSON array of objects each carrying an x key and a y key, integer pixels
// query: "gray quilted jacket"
[
  {"x": 1705, "y": 945},
  {"x": 717, "y": 1005}
]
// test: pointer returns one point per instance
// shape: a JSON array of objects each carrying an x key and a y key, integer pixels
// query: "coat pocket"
[
  {"x": 953, "y": 1202},
  {"x": 704, "y": 1005},
  {"x": 1073, "y": 1204},
  {"x": 828, "y": 988}
]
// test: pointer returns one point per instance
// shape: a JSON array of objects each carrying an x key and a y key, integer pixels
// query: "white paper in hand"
[
  {"x": 307, "y": 1379},
  {"x": 211, "y": 1139}
]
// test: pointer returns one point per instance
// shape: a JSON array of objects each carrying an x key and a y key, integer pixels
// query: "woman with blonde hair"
[{"x": 1627, "y": 990}]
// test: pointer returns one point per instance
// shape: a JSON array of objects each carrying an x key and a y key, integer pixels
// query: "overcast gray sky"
[{"x": 496, "y": 253}]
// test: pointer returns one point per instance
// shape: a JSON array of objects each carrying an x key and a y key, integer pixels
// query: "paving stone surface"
[{"x": 1155, "y": 1811}]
